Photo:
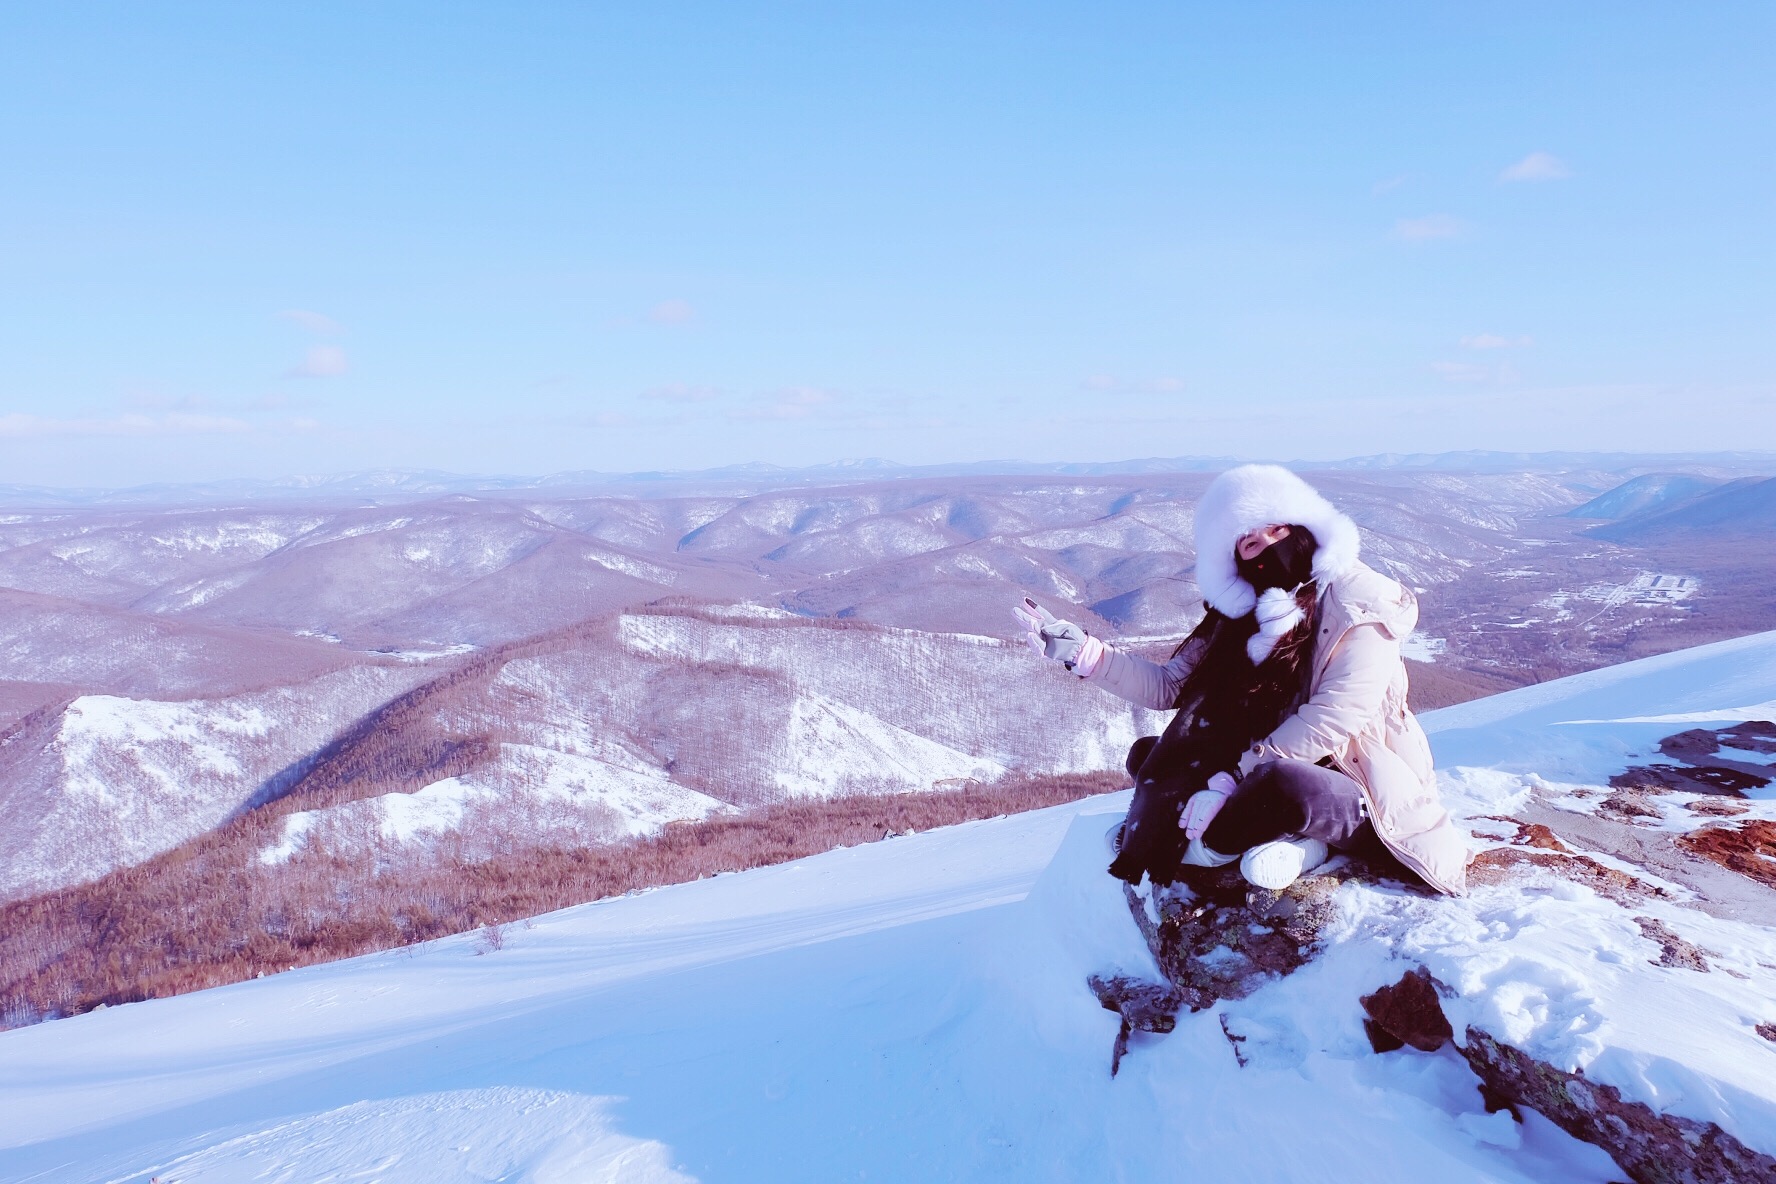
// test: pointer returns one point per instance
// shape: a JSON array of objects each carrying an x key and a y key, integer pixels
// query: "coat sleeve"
[
  {"x": 1144, "y": 683},
  {"x": 1349, "y": 697}
]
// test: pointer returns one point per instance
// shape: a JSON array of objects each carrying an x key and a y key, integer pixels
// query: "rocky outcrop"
[
  {"x": 1408, "y": 1012},
  {"x": 1653, "y": 1148},
  {"x": 1215, "y": 937},
  {"x": 1144, "y": 1007}
]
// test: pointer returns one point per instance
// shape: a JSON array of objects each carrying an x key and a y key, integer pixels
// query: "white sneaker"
[
  {"x": 1197, "y": 855},
  {"x": 1278, "y": 864}
]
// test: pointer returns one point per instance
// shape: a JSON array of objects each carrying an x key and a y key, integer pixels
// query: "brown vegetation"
[
  {"x": 209, "y": 912},
  {"x": 1431, "y": 687}
]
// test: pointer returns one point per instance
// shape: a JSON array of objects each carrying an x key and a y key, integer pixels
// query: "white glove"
[
  {"x": 1061, "y": 640},
  {"x": 1204, "y": 804},
  {"x": 1031, "y": 617}
]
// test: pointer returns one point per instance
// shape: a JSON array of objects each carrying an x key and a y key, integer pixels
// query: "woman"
[{"x": 1292, "y": 734}]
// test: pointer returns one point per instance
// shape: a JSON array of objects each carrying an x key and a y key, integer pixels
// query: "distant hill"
[
  {"x": 1647, "y": 493},
  {"x": 396, "y": 486},
  {"x": 1743, "y": 507}
]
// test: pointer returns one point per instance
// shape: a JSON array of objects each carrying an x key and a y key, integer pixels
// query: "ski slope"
[{"x": 916, "y": 1009}]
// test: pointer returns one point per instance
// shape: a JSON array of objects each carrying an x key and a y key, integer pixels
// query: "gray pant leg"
[{"x": 1282, "y": 798}]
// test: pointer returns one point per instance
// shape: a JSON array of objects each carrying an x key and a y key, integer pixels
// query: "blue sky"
[{"x": 256, "y": 240}]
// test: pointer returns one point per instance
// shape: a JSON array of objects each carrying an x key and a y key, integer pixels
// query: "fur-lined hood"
[{"x": 1243, "y": 499}]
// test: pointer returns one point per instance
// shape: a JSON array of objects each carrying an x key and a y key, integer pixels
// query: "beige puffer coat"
[{"x": 1355, "y": 714}]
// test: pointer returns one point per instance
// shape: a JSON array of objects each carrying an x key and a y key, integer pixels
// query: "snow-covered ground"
[{"x": 916, "y": 1009}]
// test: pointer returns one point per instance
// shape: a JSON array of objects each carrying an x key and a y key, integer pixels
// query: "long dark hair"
[{"x": 1277, "y": 682}]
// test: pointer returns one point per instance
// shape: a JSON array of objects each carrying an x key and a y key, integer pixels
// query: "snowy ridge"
[
  {"x": 539, "y": 793},
  {"x": 107, "y": 782}
]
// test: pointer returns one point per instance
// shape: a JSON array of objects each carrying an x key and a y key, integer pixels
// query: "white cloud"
[
  {"x": 315, "y": 322},
  {"x": 672, "y": 312},
  {"x": 322, "y": 361},
  {"x": 678, "y": 392},
  {"x": 1431, "y": 226},
  {"x": 18, "y": 425},
  {"x": 1387, "y": 185},
  {"x": 1496, "y": 341},
  {"x": 1537, "y": 166}
]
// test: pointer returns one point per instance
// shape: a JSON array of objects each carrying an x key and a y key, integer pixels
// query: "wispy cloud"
[
  {"x": 317, "y": 323},
  {"x": 1496, "y": 341},
  {"x": 672, "y": 312},
  {"x": 678, "y": 392},
  {"x": 18, "y": 425},
  {"x": 1429, "y": 227},
  {"x": 1537, "y": 166},
  {"x": 1387, "y": 185},
  {"x": 793, "y": 403},
  {"x": 321, "y": 361}
]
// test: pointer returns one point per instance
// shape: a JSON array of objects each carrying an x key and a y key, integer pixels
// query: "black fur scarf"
[{"x": 1224, "y": 706}]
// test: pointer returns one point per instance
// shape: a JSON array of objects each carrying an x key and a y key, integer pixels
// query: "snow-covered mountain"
[
  {"x": 105, "y": 781},
  {"x": 917, "y": 1009},
  {"x": 599, "y": 732}
]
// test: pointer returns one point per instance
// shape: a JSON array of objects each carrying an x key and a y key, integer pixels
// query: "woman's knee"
[
  {"x": 1297, "y": 781},
  {"x": 1138, "y": 753},
  {"x": 1319, "y": 801}
]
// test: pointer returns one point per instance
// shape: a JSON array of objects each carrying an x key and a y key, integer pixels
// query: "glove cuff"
[{"x": 1090, "y": 654}]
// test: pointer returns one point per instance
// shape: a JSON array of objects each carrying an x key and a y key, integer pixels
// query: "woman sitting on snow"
[{"x": 1291, "y": 734}]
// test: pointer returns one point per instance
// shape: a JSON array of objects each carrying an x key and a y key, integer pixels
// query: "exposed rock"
[
  {"x": 1233, "y": 1041},
  {"x": 1748, "y": 848},
  {"x": 1653, "y": 1148},
  {"x": 1382, "y": 1040},
  {"x": 1719, "y": 891},
  {"x": 1408, "y": 1012},
  {"x": 1534, "y": 834},
  {"x": 1495, "y": 866},
  {"x": 1767, "y": 1031},
  {"x": 1219, "y": 938},
  {"x": 1629, "y": 804},
  {"x": 1718, "y": 807},
  {"x": 1699, "y": 744},
  {"x": 1753, "y": 735},
  {"x": 1673, "y": 950},
  {"x": 1144, "y": 1007},
  {"x": 1701, "y": 767}
]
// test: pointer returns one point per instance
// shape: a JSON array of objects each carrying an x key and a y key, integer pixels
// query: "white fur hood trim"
[{"x": 1243, "y": 499}]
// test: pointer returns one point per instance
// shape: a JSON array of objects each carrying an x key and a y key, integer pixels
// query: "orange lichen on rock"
[
  {"x": 1748, "y": 848},
  {"x": 1502, "y": 864}
]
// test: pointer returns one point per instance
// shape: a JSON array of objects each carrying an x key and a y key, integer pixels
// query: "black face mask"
[{"x": 1286, "y": 563}]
